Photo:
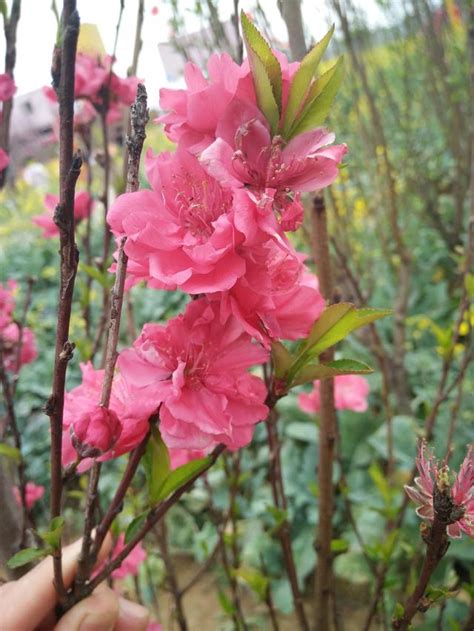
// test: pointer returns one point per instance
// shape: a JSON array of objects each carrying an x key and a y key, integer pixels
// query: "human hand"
[{"x": 28, "y": 603}]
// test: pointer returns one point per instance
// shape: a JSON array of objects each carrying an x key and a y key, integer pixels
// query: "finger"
[
  {"x": 98, "y": 612},
  {"x": 38, "y": 585},
  {"x": 132, "y": 616}
]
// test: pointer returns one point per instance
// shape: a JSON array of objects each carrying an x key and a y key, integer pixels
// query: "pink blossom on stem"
[
  {"x": 193, "y": 114},
  {"x": 350, "y": 393},
  {"x": 10, "y": 337},
  {"x": 83, "y": 204},
  {"x": 7, "y": 302},
  {"x": 33, "y": 492},
  {"x": 180, "y": 234},
  {"x": 196, "y": 366},
  {"x": 245, "y": 154},
  {"x": 132, "y": 407},
  {"x": 462, "y": 490},
  {"x": 95, "y": 432},
  {"x": 275, "y": 287},
  {"x": 131, "y": 564},
  {"x": 4, "y": 159},
  {"x": 7, "y": 87}
]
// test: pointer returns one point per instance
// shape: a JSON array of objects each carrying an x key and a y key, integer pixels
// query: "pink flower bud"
[{"x": 95, "y": 432}]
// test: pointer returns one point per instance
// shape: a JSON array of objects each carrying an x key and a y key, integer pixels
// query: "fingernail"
[
  {"x": 132, "y": 613},
  {"x": 97, "y": 623}
]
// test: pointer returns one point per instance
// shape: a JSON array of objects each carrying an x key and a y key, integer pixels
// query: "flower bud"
[{"x": 95, "y": 432}]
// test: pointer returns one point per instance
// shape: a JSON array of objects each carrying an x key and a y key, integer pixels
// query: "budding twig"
[{"x": 69, "y": 168}]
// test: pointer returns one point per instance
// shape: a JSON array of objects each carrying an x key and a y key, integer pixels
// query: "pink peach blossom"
[
  {"x": 275, "y": 287},
  {"x": 350, "y": 393},
  {"x": 10, "y": 337},
  {"x": 90, "y": 76},
  {"x": 132, "y": 407},
  {"x": 180, "y": 234},
  {"x": 462, "y": 491},
  {"x": 83, "y": 204},
  {"x": 7, "y": 87},
  {"x": 131, "y": 564},
  {"x": 197, "y": 368},
  {"x": 33, "y": 493},
  {"x": 7, "y": 302},
  {"x": 4, "y": 159},
  {"x": 245, "y": 154},
  {"x": 193, "y": 114},
  {"x": 95, "y": 432}
]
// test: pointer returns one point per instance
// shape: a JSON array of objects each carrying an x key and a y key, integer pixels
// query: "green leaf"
[
  {"x": 339, "y": 546},
  {"x": 351, "y": 320},
  {"x": 266, "y": 72},
  {"x": 28, "y": 555},
  {"x": 182, "y": 475},
  {"x": 157, "y": 465},
  {"x": 312, "y": 372},
  {"x": 53, "y": 536},
  {"x": 134, "y": 526},
  {"x": 252, "y": 577},
  {"x": 327, "y": 320},
  {"x": 105, "y": 279},
  {"x": 281, "y": 358},
  {"x": 300, "y": 86},
  {"x": 4, "y": 10},
  {"x": 319, "y": 100},
  {"x": 10, "y": 452},
  {"x": 225, "y": 603},
  {"x": 398, "y": 612}
]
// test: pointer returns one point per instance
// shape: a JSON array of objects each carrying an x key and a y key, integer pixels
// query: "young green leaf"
[
  {"x": 28, "y": 555},
  {"x": 9, "y": 452},
  {"x": 252, "y": 577},
  {"x": 157, "y": 465},
  {"x": 300, "y": 86},
  {"x": 53, "y": 536},
  {"x": 319, "y": 100},
  {"x": 312, "y": 372},
  {"x": 281, "y": 358},
  {"x": 266, "y": 72},
  {"x": 134, "y": 526},
  {"x": 181, "y": 476}
]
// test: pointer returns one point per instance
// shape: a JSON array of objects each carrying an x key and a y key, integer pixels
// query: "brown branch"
[
  {"x": 437, "y": 544},
  {"x": 69, "y": 168},
  {"x": 10, "y": 28},
  {"x": 139, "y": 119},
  {"x": 279, "y": 499},
  {"x": 327, "y": 430}
]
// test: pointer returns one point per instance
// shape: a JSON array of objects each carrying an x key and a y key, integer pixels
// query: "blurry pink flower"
[
  {"x": 462, "y": 491},
  {"x": 193, "y": 114},
  {"x": 350, "y": 393},
  {"x": 50, "y": 93},
  {"x": 33, "y": 493},
  {"x": 245, "y": 154},
  {"x": 179, "y": 457},
  {"x": 124, "y": 90},
  {"x": 90, "y": 76},
  {"x": 132, "y": 407},
  {"x": 95, "y": 432},
  {"x": 154, "y": 11},
  {"x": 83, "y": 203},
  {"x": 7, "y": 87},
  {"x": 4, "y": 159},
  {"x": 154, "y": 626},
  {"x": 7, "y": 302},
  {"x": 197, "y": 367},
  {"x": 10, "y": 337},
  {"x": 84, "y": 114},
  {"x": 131, "y": 564},
  {"x": 180, "y": 234}
]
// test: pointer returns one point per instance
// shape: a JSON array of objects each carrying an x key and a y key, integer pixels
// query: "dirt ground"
[{"x": 204, "y": 612}]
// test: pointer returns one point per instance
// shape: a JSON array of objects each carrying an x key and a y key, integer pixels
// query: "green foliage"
[{"x": 27, "y": 555}]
